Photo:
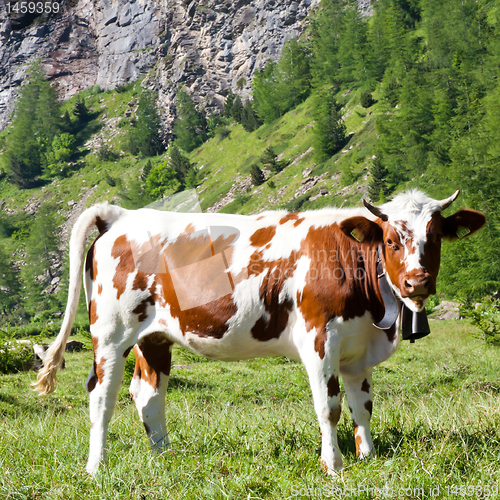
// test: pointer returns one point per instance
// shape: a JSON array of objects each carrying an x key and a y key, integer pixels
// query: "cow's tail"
[{"x": 102, "y": 216}]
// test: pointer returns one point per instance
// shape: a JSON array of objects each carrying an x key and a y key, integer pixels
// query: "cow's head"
[{"x": 410, "y": 229}]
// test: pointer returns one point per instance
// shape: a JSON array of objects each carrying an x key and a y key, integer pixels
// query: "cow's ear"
[
  {"x": 362, "y": 230},
  {"x": 462, "y": 224}
]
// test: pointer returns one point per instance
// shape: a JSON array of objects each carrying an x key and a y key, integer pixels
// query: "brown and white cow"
[{"x": 231, "y": 287}]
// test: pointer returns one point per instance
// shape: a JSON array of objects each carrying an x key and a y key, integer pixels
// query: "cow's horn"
[
  {"x": 375, "y": 211},
  {"x": 448, "y": 201}
]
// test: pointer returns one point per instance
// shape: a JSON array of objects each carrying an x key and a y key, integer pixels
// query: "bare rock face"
[{"x": 210, "y": 47}]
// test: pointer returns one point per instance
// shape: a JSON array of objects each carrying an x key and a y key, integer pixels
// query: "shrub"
[
  {"x": 14, "y": 357},
  {"x": 257, "y": 175},
  {"x": 162, "y": 181},
  {"x": 486, "y": 317},
  {"x": 222, "y": 132},
  {"x": 366, "y": 99}
]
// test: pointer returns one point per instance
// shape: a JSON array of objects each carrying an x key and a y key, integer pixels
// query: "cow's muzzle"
[{"x": 418, "y": 286}]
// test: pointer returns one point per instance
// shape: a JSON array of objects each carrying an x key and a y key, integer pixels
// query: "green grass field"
[{"x": 248, "y": 430}]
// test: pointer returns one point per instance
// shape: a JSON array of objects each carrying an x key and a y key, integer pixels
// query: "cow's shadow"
[
  {"x": 179, "y": 383},
  {"x": 388, "y": 441}
]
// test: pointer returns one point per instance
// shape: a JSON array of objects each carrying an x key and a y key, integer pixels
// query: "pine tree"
[
  {"x": 180, "y": 164},
  {"x": 146, "y": 170},
  {"x": 66, "y": 123},
  {"x": 41, "y": 252},
  {"x": 144, "y": 138},
  {"x": 249, "y": 119},
  {"x": 237, "y": 109},
  {"x": 329, "y": 129},
  {"x": 257, "y": 175},
  {"x": 81, "y": 113},
  {"x": 293, "y": 75},
  {"x": 270, "y": 161},
  {"x": 265, "y": 94},
  {"x": 10, "y": 285},
  {"x": 378, "y": 179},
  {"x": 190, "y": 128},
  {"x": 36, "y": 121},
  {"x": 228, "y": 104}
]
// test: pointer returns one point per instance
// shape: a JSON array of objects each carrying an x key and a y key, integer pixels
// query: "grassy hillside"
[
  {"x": 222, "y": 162},
  {"x": 248, "y": 430},
  {"x": 226, "y": 162}
]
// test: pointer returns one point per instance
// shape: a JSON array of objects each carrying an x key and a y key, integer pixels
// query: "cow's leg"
[
  {"x": 149, "y": 385},
  {"x": 359, "y": 397},
  {"x": 103, "y": 385},
  {"x": 322, "y": 367}
]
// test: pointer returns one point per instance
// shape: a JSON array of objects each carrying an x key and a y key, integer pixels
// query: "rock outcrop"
[{"x": 210, "y": 47}]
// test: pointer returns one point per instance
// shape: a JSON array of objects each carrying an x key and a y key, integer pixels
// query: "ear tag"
[
  {"x": 357, "y": 235},
  {"x": 462, "y": 231}
]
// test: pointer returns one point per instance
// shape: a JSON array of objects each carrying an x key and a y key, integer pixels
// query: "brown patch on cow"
[
  {"x": 91, "y": 425},
  {"x": 99, "y": 289},
  {"x": 262, "y": 236},
  {"x": 267, "y": 329},
  {"x": 141, "y": 308},
  {"x": 369, "y": 407},
  {"x": 393, "y": 255},
  {"x": 357, "y": 441},
  {"x": 121, "y": 250},
  {"x": 277, "y": 308},
  {"x": 292, "y": 216},
  {"x": 319, "y": 342},
  {"x": 127, "y": 352},
  {"x": 208, "y": 320},
  {"x": 341, "y": 281},
  {"x": 334, "y": 415},
  {"x": 92, "y": 381},
  {"x": 99, "y": 370},
  {"x": 102, "y": 225},
  {"x": 140, "y": 281},
  {"x": 391, "y": 333},
  {"x": 333, "y": 386},
  {"x": 93, "y": 312},
  {"x": 90, "y": 262},
  {"x": 152, "y": 357},
  {"x": 260, "y": 217},
  {"x": 365, "y": 386},
  {"x": 189, "y": 229}
]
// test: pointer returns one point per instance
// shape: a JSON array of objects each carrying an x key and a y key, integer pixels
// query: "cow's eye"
[{"x": 391, "y": 244}]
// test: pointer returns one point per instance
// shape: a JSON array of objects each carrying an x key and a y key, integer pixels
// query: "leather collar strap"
[
  {"x": 390, "y": 303},
  {"x": 414, "y": 325}
]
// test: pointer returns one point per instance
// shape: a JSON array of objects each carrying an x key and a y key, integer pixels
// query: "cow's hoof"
[{"x": 331, "y": 471}]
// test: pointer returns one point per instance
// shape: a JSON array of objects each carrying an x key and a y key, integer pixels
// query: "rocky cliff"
[{"x": 210, "y": 46}]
